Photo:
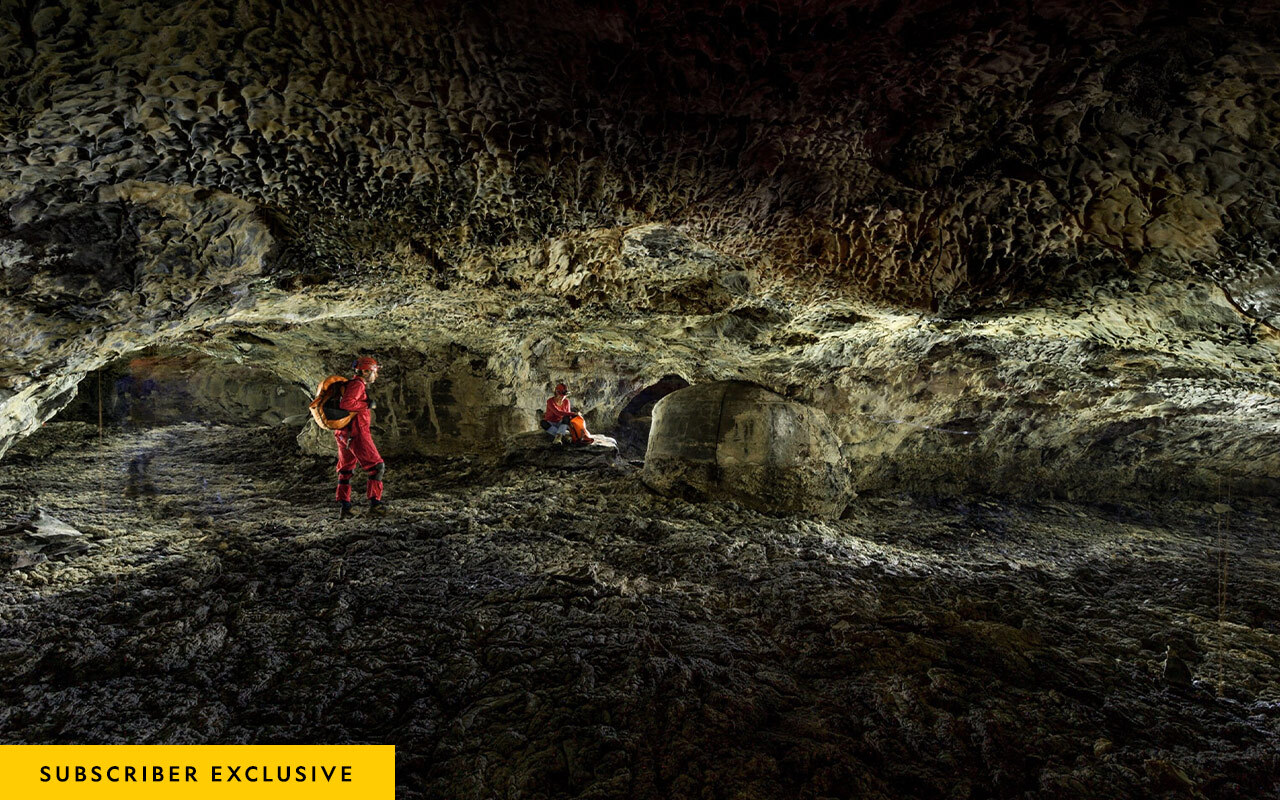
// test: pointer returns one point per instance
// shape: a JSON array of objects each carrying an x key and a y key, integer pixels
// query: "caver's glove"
[{"x": 373, "y": 404}]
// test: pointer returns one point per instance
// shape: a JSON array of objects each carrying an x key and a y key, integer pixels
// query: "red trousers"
[{"x": 357, "y": 447}]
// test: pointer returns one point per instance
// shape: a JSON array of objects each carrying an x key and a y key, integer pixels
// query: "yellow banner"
[{"x": 227, "y": 772}]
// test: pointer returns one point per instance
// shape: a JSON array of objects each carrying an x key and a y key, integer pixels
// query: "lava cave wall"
[
  {"x": 999, "y": 246},
  {"x": 158, "y": 388},
  {"x": 437, "y": 400}
]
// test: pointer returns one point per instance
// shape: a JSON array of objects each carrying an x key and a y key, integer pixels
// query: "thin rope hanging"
[{"x": 1224, "y": 525}]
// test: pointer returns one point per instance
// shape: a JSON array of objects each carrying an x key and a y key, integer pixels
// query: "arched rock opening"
[
  {"x": 632, "y": 429},
  {"x": 163, "y": 386}
]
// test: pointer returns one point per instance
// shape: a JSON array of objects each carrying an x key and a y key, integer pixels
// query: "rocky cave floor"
[{"x": 518, "y": 633}]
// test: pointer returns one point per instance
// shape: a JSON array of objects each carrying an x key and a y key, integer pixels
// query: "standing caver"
[{"x": 355, "y": 441}]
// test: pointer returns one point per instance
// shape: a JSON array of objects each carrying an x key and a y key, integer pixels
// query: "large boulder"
[
  {"x": 737, "y": 441},
  {"x": 535, "y": 449}
]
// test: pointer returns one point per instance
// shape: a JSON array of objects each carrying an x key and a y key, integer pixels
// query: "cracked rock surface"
[
  {"x": 614, "y": 643},
  {"x": 1001, "y": 246}
]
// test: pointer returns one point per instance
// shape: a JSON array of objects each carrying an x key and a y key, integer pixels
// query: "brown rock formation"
[
  {"x": 734, "y": 441},
  {"x": 1082, "y": 202}
]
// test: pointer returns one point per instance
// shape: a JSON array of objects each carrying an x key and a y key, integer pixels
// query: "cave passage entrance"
[
  {"x": 157, "y": 387},
  {"x": 632, "y": 430}
]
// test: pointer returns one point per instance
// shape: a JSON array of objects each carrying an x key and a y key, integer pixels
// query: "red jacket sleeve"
[{"x": 354, "y": 397}]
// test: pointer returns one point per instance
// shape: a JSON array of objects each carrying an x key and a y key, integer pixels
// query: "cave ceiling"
[{"x": 900, "y": 201}]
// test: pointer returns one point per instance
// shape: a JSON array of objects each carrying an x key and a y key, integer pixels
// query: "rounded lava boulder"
[{"x": 732, "y": 440}]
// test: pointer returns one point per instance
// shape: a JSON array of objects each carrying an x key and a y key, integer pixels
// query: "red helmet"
[
  {"x": 561, "y": 389},
  {"x": 366, "y": 363}
]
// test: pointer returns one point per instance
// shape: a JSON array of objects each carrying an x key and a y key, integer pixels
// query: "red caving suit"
[
  {"x": 355, "y": 443},
  {"x": 560, "y": 411}
]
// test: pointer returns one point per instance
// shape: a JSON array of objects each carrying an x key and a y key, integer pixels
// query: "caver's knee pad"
[{"x": 378, "y": 471}]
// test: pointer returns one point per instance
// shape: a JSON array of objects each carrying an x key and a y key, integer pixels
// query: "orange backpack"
[{"x": 325, "y": 409}]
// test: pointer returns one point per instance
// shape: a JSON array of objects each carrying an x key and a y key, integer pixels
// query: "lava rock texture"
[
  {"x": 734, "y": 441},
  {"x": 1025, "y": 247},
  {"x": 523, "y": 632},
  {"x": 1004, "y": 250}
]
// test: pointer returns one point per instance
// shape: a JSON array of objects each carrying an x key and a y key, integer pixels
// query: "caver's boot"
[
  {"x": 377, "y": 508},
  {"x": 346, "y": 512}
]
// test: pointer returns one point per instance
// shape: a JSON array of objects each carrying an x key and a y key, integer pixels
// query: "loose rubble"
[
  {"x": 38, "y": 539},
  {"x": 515, "y": 633}
]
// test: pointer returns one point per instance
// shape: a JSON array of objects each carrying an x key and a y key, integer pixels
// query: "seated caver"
[{"x": 562, "y": 420}]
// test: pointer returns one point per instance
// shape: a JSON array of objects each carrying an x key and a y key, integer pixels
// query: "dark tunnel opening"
[
  {"x": 159, "y": 387},
  {"x": 632, "y": 430}
]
